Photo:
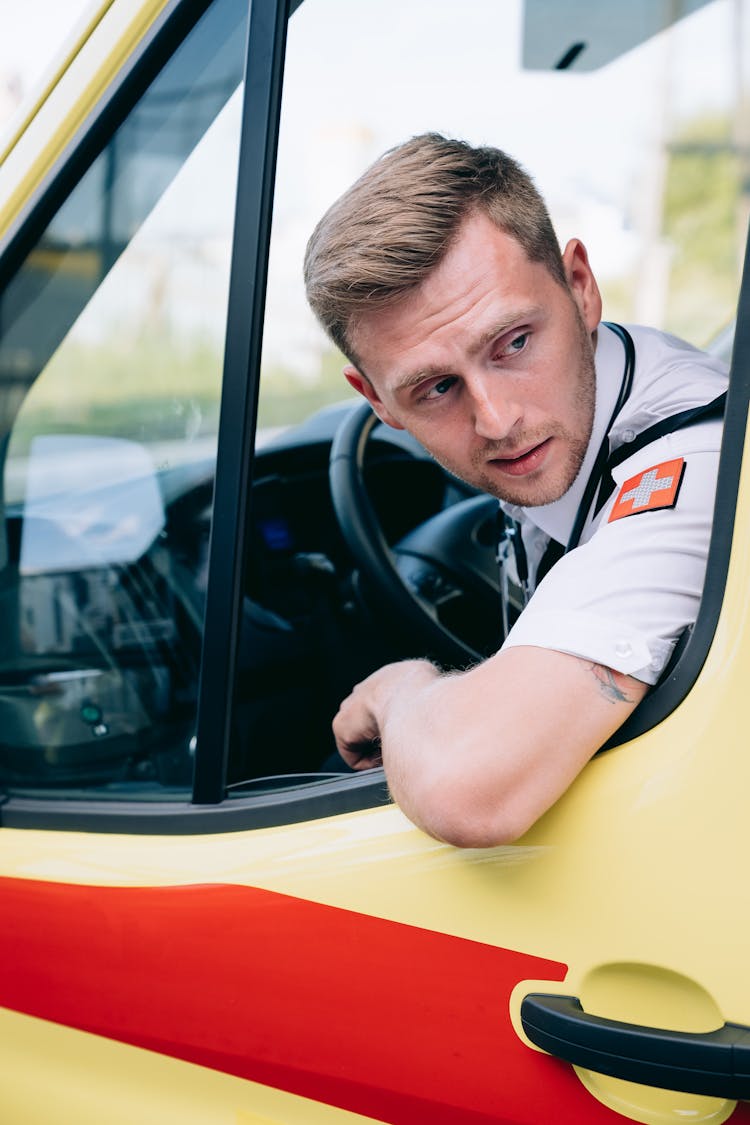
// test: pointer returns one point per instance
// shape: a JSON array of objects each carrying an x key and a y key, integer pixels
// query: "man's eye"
[
  {"x": 517, "y": 344},
  {"x": 438, "y": 390}
]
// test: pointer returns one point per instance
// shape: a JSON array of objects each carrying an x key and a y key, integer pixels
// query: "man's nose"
[{"x": 495, "y": 414}]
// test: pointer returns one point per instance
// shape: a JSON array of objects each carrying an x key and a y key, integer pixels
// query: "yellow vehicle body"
[
  {"x": 349, "y": 968},
  {"x": 623, "y": 885},
  {"x": 75, "y": 86}
]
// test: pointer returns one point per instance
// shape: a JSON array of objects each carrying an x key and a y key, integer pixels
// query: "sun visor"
[{"x": 587, "y": 34}]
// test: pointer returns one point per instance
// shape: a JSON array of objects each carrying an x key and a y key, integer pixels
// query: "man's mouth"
[{"x": 526, "y": 461}]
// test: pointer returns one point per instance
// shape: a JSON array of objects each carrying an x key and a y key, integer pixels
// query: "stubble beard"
[{"x": 535, "y": 490}]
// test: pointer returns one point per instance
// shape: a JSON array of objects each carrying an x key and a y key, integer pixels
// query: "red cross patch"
[{"x": 653, "y": 488}]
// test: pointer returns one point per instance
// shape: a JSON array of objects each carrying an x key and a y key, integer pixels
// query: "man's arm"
[{"x": 474, "y": 758}]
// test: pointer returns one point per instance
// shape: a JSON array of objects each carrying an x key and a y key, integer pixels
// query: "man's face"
[{"x": 490, "y": 365}]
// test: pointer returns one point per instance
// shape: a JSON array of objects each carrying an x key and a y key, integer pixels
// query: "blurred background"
[{"x": 641, "y": 146}]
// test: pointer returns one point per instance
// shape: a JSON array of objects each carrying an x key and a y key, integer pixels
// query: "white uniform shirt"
[{"x": 626, "y": 593}]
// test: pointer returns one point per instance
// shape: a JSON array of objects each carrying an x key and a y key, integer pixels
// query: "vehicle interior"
[{"x": 357, "y": 548}]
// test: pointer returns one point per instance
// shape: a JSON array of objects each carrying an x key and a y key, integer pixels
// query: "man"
[{"x": 439, "y": 276}]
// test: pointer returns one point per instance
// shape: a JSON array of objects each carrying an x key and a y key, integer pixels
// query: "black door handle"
[{"x": 716, "y": 1063}]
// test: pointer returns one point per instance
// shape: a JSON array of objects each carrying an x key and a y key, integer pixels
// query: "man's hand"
[{"x": 357, "y": 726}]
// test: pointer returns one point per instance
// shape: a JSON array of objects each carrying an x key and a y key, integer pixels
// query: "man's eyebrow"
[
  {"x": 520, "y": 317},
  {"x": 436, "y": 371}
]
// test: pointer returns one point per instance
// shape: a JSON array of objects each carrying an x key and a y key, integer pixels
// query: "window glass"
[
  {"x": 28, "y": 47},
  {"x": 110, "y": 376},
  {"x": 641, "y": 149}
]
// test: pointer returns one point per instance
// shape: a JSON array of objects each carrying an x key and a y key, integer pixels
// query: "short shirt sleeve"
[{"x": 624, "y": 597}]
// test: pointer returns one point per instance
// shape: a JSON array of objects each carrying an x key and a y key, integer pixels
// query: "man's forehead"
[{"x": 479, "y": 247}]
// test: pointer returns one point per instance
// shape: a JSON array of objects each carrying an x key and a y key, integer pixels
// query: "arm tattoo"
[{"x": 608, "y": 686}]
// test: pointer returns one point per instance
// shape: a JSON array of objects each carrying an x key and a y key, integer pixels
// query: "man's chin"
[
  {"x": 526, "y": 493},
  {"x": 529, "y": 499}
]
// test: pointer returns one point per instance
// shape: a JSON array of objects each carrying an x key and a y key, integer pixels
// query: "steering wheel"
[{"x": 441, "y": 575}]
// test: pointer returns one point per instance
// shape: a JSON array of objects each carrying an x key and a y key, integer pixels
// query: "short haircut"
[{"x": 382, "y": 238}]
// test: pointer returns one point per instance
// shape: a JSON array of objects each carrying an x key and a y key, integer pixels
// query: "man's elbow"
[
  {"x": 467, "y": 817},
  {"x": 460, "y": 834}
]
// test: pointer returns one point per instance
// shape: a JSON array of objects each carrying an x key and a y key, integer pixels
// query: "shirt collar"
[{"x": 557, "y": 519}]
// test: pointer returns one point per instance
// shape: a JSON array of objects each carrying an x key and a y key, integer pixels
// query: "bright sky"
[
  {"x": 364, "y": 74},
  {"x": 33, "y": 32}
]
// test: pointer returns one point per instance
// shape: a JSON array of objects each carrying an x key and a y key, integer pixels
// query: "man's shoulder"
[
  {"x": 671, "y": 376},
  {"x": 656, "y": 348}
]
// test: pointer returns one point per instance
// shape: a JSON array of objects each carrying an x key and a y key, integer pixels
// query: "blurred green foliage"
[
  {"x": 158, "y": 387},
  {"x": 152, "y": 388},
  {"x": 703, "y": 219},
  {"x": 286, "y": 398}
]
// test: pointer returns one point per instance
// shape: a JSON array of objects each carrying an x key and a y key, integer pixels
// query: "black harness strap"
[
  {"x": 553, "y": 552},
  {"x": 599, "y": 468},
  {"x": 705, "y": 413}
]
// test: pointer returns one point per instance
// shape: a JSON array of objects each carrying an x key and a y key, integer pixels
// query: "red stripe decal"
[{"x": 392, "y": 1021}]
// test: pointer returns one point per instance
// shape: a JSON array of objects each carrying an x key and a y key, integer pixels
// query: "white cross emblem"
[{"x": 646, "y": 487}]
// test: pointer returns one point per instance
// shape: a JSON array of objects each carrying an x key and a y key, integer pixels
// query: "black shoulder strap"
[
  {"x": 599, "y": 468},
  {"x": 553, "y": 552},
  {"x": 705, "y": 413}
]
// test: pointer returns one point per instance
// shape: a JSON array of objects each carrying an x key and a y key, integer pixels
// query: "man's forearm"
[
  {"x": 475, "y": 757},
  {"x": 442, "y": 747}
]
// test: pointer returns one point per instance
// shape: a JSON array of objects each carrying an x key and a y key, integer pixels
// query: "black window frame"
[{"x": 261, "y": 110}]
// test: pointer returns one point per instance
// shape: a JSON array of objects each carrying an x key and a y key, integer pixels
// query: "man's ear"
[
  {"x": 582, "y": 283},
  {"x": 362, "y": 384}
]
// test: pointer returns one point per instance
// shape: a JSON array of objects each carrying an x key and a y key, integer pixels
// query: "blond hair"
[{"x": 382, "y": 238}]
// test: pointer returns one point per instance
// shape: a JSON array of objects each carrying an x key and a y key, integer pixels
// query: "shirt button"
[
  {"x": 628, "y": 435},
  {"x": 623, "y": 648}
]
